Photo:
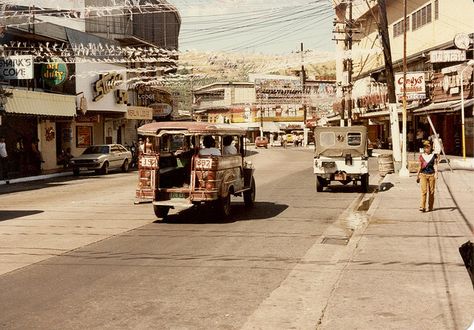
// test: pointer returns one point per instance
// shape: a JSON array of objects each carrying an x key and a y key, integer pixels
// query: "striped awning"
[{"x": 40, "y": 104}]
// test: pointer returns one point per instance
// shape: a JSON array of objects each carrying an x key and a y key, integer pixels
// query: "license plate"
[
  {"x": 83, "y": 169},
  {"x": 177, "y": 195},
  {"x": 340, "y": 176},
  {"x": 204, "y": 163}
]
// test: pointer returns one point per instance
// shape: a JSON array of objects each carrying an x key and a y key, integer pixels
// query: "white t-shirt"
[
  {"x": 230, "y": 150},
  {"x": 3, "y": 150},
  {"x": 210, "y": 152}
]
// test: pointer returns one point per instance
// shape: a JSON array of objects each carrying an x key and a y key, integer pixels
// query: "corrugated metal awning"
[
  {"x": 40, "y": 104},
  {"x": 444, "y": 107}
]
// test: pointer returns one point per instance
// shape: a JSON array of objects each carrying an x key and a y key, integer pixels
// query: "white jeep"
[{"x": 341, "y": 155}]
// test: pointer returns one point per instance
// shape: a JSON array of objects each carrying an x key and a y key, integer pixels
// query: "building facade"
[
  {"x": 70, "y": 90},
  {"x": 267, "y": 104},
  {"x": 439, "y": 45}
]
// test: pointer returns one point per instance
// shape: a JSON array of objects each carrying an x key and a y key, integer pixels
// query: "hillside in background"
[{"x": 236, "y": 67}]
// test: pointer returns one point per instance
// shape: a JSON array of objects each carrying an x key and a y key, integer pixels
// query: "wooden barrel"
[{"x": 385, "y": 164}]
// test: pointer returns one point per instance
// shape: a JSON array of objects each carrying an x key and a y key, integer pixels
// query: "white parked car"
[{"x": 102, "y": 158}]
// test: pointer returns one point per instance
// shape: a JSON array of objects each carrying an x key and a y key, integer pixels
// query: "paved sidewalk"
[{"x": 405, "y": 271}]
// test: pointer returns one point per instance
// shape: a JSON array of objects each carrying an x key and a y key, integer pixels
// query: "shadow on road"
[
  {"x": 207, "y": 214},
  {"x": 349, "y": 188},
  {"x": 9, "y": 215}
]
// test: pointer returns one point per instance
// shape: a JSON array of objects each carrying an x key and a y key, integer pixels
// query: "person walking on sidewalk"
[
  {"x": 427, "y": 175},
  {"x": 3, "y": 159}
]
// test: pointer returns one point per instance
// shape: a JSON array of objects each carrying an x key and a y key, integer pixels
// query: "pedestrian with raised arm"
[{"x": 427, "y": 175}]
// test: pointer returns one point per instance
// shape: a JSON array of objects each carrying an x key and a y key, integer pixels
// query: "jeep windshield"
[{"x": 340, "y": 141}]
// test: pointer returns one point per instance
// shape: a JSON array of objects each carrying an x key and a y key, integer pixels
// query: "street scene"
[{"x": 213, "y": 164}]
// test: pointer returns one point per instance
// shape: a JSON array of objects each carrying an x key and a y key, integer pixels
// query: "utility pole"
[
  {"x": 389, "y": 74},
  {"x": 404, "y": 169},
  {"x": 348, "y": 92},
  {"x": 387, "y": 52},
  {"x": 303, "y": 96},
  {"x": 192, "y": 94}
]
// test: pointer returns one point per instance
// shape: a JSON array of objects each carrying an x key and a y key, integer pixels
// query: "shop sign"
[
  {"x": 447, "y": 84},
  {"x": 161, "y": 109},
  {"x": 450, "y": 55},
  {"x": 16, "y": 67},
  {"x": 140, "y": 113},
  {"x": 105, "y": 84},
  {"x": 54, "y": 73},
  {"x": 88, "y": 118},
  {"x": 83, "y": 136},
  {"x": 415, "y": 85}
]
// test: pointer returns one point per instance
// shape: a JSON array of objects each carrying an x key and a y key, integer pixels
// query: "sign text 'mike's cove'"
[{"x": 16, "y": 67}]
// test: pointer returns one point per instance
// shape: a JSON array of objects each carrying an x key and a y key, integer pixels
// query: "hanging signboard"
[
  {"x": 415, "y": 85},
  {"x": 54, "y": 73},
  {"x": 16, "y": 67},
  {"x": 450, "y": 55}
]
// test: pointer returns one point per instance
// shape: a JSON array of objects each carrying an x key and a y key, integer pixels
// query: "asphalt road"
[{"x": 196, "y": 271}]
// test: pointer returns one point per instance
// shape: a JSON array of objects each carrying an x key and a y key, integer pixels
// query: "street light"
[{"x": 470, "y": 63}]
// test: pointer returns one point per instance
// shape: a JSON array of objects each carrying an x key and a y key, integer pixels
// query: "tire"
[
  {"x": 75, "y": 171},
  {"x": 249, "y": 195},
  {"x": 364, "y": 183},
  {"x": 223, "y": 206},
  {"x": 161, "y": 212},
  {"x": 105, "y": 168},
  {"x": 125, "y": 166},
  {"x": 319, "y": 184}
]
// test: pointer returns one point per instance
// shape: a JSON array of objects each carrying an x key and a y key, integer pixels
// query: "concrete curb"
[{"x": 36, "y": 178}]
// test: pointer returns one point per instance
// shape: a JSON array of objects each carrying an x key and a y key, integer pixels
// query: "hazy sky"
[{"x": 262, "y": 26}]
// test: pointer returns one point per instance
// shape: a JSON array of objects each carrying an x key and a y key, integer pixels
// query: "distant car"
[
  {"x": 102, "y": 158},
  {"x": 261, "y": 142}
]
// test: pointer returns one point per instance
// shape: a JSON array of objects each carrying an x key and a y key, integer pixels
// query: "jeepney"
[
  {"x": 340, "y": 154},
  {"x": 173, "y": 174}
]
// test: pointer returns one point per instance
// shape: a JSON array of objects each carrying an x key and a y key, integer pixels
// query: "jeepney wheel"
[
  {"x": 125, "y": 166},
  {"x": 364, "y": 183},
  {"x": 223, "y": 206},
  {"x": 319, "y": 184},
  {"x": 75, "y": 171},
  {"x": 105, "y": 168},
  {"x": 161, "y": 212},
  {"x": 249, "y": 195}
]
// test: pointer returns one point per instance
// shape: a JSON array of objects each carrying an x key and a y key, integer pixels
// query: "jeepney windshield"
[{"x": 175, "y": 142}]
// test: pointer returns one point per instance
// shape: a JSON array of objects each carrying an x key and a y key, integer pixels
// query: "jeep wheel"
[
  {"x": 249, "y": 195},
  {"x": 364, "y": 183},
  {"x": 319, "y": 184},
  {"x": 161, "y": 212}
]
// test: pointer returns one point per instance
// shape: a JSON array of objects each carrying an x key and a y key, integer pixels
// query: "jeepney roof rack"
[{"x": 153, "y": 129}]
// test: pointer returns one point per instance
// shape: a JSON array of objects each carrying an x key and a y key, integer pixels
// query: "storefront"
[
  {"x": 104, "y": 100},
  {"x": 35, "y": 116}
]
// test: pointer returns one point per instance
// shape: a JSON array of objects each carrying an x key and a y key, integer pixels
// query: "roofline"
[
  {"x": 246, "y": 83},
  {"x": 191, "y": 127}
]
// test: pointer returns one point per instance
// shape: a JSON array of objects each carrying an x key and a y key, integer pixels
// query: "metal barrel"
[{"x": 385, "y": 164}]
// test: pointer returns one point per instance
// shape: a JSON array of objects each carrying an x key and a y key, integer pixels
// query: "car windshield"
[{"x": 96, "y": 150}]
